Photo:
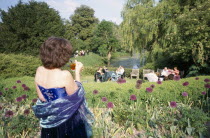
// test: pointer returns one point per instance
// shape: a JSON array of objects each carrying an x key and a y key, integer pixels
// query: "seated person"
[
  {"x": 176, "y": 71},
  {"x": 99, "y": 75},
  {"x": 152, "y": 77},
  {"x": 105, "y": 69},
  {"x": 165, "y": 72},
  {"x": 122, "y": 72}
]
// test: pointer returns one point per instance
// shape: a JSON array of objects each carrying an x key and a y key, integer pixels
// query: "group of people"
[
  {"x": 165, "y": 74},
  {"x": 80, "y": 53},
  {"x": 172, "y": 72},
  {"x": 103, "y": 74}
]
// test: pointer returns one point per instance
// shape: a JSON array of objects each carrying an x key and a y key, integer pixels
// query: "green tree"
[
  {"x": 80, "y": 27},
  {"x": 176, "y": 29},
  {"x": 105, "y": 40},
  {"x": 26, "y": 25}
]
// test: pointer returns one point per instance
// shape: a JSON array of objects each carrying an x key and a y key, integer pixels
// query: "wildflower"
[
  {"x": 110, "y": 105},
  {"x": 6, "y": 89},
  {"x": 184, "y": 94},
  {"x": 203, "y": 93},
  {"x": 19, "y": 99},
  {"x": 138, "y": 85},
  {"x": 185, "y": 83},
  {"x": 24, "y": 96},
  {"x": 207, "y": 85},
  {"x": 14, "y": 87},
  {"x": 0, "y": 108},
  {"x": 149, "y": 89},
  {"x": 173, "y": 104},
  {"x": 23, "y": 85},
  {"x": 18, "y": 81},
  {"x": 207, "y": 80},
  {"x": 139, "y": 81},
  {"x": 120, "y": 81},
  {"x": 177, "y": 78},
  {"x": 9, "y": 113},
  {"x": 34, "y": 100},
  {"x": 152, "y": 86},
  {"x": 159, "y": 82},
  {"x": 95, "y": 92},
  {"x": 133, "y": 97},
  {"x": 26, "y": 88},
  {"x": 104, "y": 99},
  {"x": 196, "y": 78},
  {"x": 1, "y": 93},
  {"x": 26, "y": 112}
]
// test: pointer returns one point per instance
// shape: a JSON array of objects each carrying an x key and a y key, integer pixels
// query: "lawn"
[{"x": 168, "y": 109}]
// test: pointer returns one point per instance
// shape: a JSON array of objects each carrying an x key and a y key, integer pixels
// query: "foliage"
[
  {"x": 79, "y": 30},
  {"x": 26, "y": 25},
  {"x": 175, "y": 29},
  {"x": 12, "y": 65}
]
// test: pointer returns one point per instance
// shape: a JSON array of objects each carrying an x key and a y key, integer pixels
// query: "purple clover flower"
[
  {"x": 152, "y": 86},
  {"x": 110, "y": 105},
  {"x": 149, "y": 89},
  {"x": 173, "y": 104},
  {"x": 14, "y": 87},
  {"x": 159, "y": 82},
  {"x": 133, "y": 97},
  {"x": 184, "y": 94},
  {"x": 26, "y": 112},
  {"x": 23, "y": 85},
  {"x": 34, "y": 100},
  {"x": 1, "y": 93},
  {"x": 207, "y": 85},
  {"x": 18, "y": 81},
  {"x": 24, "y": 97},
  {"x": 203, "y": 93},
  {"x": 176, "y": 77},
  {"x": 26, "y": 88},
  {"x": 120, "y": 81},
  {"x": 139, "y": 81},
  {"x": 6, "y": 89},
  {"x": 196, "y": 78},
  {"x": 95, "y": 91},
  {"x": 9, "y": 114},
  {"x": 207, "y": 80},
  {"x": 19, "y": 99},
  {"x": 1, "y": 108},
  {"x": 104, "y": 99},
  {"x": 185, "y": 83}
]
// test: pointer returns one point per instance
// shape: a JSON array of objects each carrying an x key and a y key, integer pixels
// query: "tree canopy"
[
  {"x": 26, "y": 25},
  {"x": 79, "y": 30},
  {"x": 174, "y": 32}
]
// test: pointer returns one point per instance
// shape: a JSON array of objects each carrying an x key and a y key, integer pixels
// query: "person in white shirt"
[
  {"x": 152, "y": 77},
  {"x": 165, "y": 72}
]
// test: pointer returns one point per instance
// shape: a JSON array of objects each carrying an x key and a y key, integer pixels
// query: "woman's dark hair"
[{"x": 55, "y": 52}]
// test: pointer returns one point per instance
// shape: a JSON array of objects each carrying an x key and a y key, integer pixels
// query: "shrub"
[{"x": 12, "y": 65}]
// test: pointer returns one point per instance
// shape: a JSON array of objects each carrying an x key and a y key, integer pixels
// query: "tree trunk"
[{"x": 109, "y": 57}]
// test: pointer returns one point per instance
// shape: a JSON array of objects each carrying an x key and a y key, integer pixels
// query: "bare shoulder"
[
  {"x": 40, "y": 68},
  {"x": 66, "y": 74}
]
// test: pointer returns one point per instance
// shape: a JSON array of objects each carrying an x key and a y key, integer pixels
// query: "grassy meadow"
[{"x": 174, "y": 108}]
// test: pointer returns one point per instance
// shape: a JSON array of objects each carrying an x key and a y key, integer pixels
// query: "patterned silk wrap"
[{"x": 54, "y": 113}]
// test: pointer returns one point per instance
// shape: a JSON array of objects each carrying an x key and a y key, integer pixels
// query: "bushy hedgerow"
[{"x": 12, "y": 65}]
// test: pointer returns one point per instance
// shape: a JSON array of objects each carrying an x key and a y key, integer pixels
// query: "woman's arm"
[{"x": 70, "y": 84}]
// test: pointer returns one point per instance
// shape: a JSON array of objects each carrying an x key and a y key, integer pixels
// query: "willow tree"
[{"x": 176, "y": 29}]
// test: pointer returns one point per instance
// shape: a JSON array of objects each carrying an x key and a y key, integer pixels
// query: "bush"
[{"x": 12, "y": 65}]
